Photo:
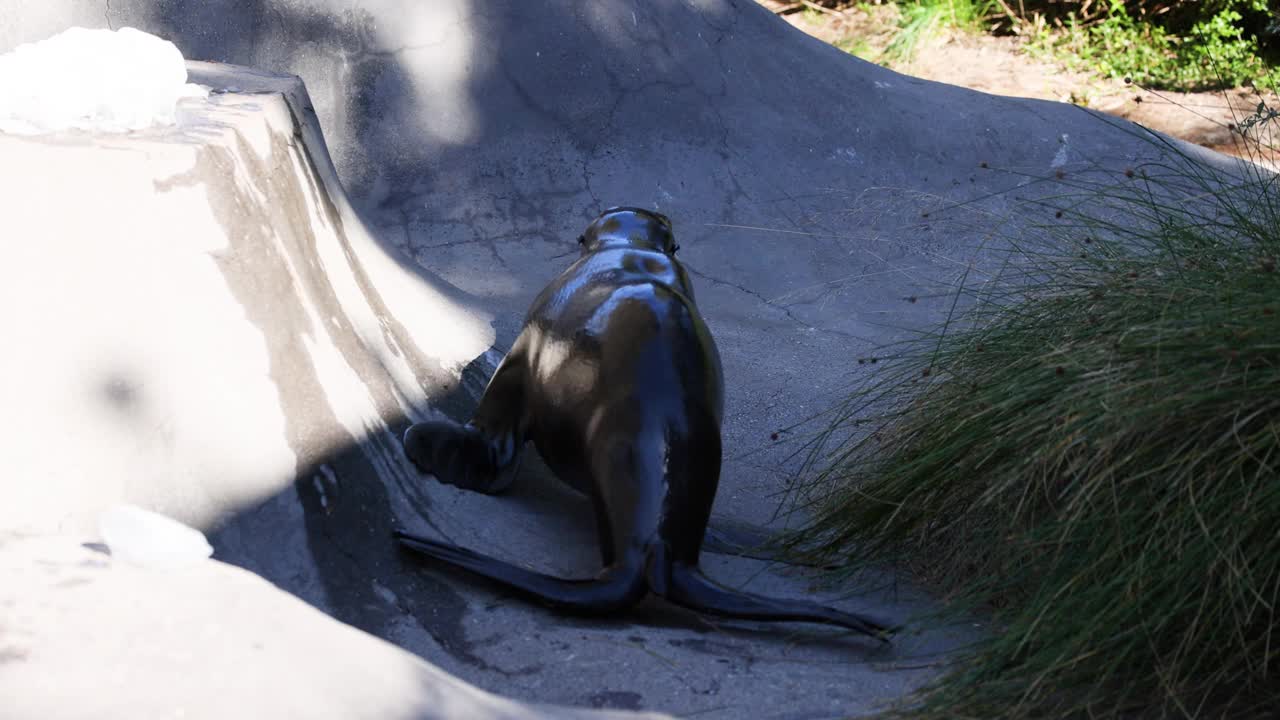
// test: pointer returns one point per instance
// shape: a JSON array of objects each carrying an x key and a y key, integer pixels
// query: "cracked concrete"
[{"x": 825, "y": 206}]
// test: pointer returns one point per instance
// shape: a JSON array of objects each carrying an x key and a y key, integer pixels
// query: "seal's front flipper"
[
  {"x": 615, "y": 589},
  {"x": 462, "y": 455},
  {"x": 690, "y": 588}
]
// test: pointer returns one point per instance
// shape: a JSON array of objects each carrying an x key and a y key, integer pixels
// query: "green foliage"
[
  {"x": 1093, "y": 450},
  {"x": 858, "y": 47},
  {"x": 1162, "y": 44},
  {"x": 1212, "y": 52}
]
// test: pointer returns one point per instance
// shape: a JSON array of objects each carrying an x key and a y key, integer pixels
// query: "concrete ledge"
[
  {"x": 83, "y": 636},
  {"x": 205, "y": 314}
]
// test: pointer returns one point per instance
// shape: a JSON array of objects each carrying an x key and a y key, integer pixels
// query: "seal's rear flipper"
[
  {"x": 616, "y": 588},
  {"x": 690, "y": 588},
  {"x": 724, "y": 537},
  {"x": 730, "y": 537}
]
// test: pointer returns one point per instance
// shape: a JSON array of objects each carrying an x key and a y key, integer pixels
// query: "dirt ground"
[{"x": 999, "y": 65}]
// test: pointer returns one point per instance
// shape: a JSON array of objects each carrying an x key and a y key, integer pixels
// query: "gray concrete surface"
[
  {"x": 195, "y": 316},
  {"x": 824, "y": 205},
  {"x": 217, "y": 336},
  {"x": 88, "y": 637}
]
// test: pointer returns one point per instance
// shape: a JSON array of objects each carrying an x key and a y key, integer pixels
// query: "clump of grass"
[
  {"x": 922, "y": 19},
  {"x": 1092, "y": 449}
]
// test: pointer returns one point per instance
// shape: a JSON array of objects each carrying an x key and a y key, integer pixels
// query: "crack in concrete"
[
  {"x": 711, "y": 100},
  {"x": 476, "y": 239},
  {"x": 767, "y": 302},
  {"x": 586, "y": 180}
]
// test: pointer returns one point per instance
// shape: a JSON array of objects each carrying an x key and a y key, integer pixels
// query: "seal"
[{"x": 616, "y": 380}]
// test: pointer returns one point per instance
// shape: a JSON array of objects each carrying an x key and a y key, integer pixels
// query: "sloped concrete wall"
[{"x": 200, "y": 317}]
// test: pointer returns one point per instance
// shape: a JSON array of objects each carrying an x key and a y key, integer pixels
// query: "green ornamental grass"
[{"x": 1089, "y": 448}]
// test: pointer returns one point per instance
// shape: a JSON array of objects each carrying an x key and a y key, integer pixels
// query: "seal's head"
[{"x": 630, "y": 228}]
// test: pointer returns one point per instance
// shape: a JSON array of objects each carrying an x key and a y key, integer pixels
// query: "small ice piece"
[
  {"x": 94, "y": 80},
  {"x": 151, "y": 540},
  {"x": 1060, "y": 158}
]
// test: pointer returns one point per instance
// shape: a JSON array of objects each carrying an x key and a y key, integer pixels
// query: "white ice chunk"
[
  {"x": 95, "y": 80},
  {"x": 1060, "y": 158},
  {"x": 151, "y": 540}
]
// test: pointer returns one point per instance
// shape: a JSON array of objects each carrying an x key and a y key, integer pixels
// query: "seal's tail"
[
  {"x": 690, "y": 588},
  {"x": 615, "y": 588}
]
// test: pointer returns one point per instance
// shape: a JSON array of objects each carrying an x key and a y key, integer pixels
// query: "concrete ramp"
[
  {"x": 201, "y": 325},
  {"x": 197, "y": 321}
]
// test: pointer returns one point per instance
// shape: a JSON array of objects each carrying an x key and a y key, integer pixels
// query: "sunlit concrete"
[
  {"x": 87, "y": 636},
  {"x": 188, "y": 294}
]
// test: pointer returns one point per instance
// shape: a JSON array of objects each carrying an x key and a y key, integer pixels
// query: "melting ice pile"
[
  {"x": 95, "y": 80},
  {"x": 151, "y": 540}
]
